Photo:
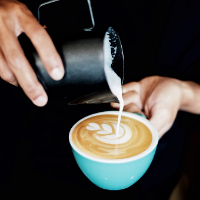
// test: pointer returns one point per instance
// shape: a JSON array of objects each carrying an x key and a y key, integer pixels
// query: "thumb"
[{"x": 159, "y": 119}]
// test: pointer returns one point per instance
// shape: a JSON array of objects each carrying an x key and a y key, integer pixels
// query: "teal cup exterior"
[{"x": 116, "y": 174}]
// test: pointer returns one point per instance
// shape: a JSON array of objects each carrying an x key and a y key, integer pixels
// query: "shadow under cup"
[{"x": 116, "y": 174}]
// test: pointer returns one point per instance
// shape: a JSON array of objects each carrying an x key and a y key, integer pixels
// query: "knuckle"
[
  {"x": 38, "y": 32},
  {"x": 13, "y": 59},
  {"x": 134, "y": 86},
  {"x": 31, "y": 90},
  {"x": 137, "y": 86},
  {"x": 16, "y": 6},
  {"x": 134, "y": 96},
  {"x": 23, "y": 11},
  {"x": 134, "y": 106},
  {"x": 51, "y": 59},
  {"x": 137, "y": 97},
  {"x": 8, "y": 76},
  {"x": 12, "y": 7},
  {"x": 21, "y": 5}
]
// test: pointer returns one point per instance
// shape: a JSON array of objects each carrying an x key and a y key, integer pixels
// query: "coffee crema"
[{"x": 96, "y": 136}]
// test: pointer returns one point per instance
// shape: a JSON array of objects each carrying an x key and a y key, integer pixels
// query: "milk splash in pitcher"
[{"x": 114, "y": 81}]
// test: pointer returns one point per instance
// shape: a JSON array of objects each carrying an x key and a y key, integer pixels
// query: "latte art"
[
  {"x": 106, "y": 133},
  {"x": 96, "y": 136}
]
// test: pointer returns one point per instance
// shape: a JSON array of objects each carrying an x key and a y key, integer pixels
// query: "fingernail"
[
  {"x": 56, "y": 74},
  {"x": 40, "y": 101},
  {"x": 115, "y": 104}
]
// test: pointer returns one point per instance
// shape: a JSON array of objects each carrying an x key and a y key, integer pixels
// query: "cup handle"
[{"x": 140, "y": 115}]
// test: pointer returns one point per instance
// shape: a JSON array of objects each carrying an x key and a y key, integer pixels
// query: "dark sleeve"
[{"x": 179, "y": 52}]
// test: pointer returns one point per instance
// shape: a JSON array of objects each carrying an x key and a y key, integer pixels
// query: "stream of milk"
[{"x": 114, "y": 81}]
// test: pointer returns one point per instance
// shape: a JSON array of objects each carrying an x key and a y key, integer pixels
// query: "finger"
[
  {"x": 44, "y": 46},
  {"x": 129, "y": 97},
  {"x": 132, "y": 86},
  {"x": 163, "y": 130},
  {"x": 159, "y": 117},
  {"x": 128, "y": 108},
  {"x": 21, "y": 68},
  {"x": 115, "y": 105},
  {"x": 132, "y": 97},
  {"x": 132, "y": 108},
  {"x": 5, "y": 73}
]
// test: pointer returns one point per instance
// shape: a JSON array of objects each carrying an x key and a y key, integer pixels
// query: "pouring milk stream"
[{"x": 114, "y": 81}]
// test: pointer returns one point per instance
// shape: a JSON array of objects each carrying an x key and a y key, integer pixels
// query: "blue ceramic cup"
[{"x": 116, "y": 174}]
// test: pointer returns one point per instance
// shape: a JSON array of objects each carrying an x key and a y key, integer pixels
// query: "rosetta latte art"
[
  {"x": 107, "y": 135},
  {"x": 96, "y": 136}
]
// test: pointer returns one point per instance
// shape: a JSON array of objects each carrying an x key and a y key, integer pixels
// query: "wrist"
[{"x": 188, "y": 90}]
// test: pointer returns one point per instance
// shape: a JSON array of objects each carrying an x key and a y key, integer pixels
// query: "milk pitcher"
[{"x": 83, "y": 56}]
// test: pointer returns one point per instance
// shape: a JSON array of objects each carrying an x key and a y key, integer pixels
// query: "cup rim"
[{"x": 146, "y": 122}]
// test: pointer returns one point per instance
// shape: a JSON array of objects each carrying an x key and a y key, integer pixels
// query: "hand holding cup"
[{"x": 158, "y": 98}]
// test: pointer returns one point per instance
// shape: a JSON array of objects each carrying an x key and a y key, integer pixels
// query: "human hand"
[
  {"x": 159, "y": 98},
  {"x": 16, "y": 18}
]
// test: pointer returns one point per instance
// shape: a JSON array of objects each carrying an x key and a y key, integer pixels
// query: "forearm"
[{"x": 190, "y": 97}]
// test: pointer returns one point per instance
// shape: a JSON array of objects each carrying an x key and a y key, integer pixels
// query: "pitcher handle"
[{"x": 90, "y": 9}]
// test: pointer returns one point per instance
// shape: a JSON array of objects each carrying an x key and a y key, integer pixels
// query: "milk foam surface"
[{"x": 96, "y": 136}]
